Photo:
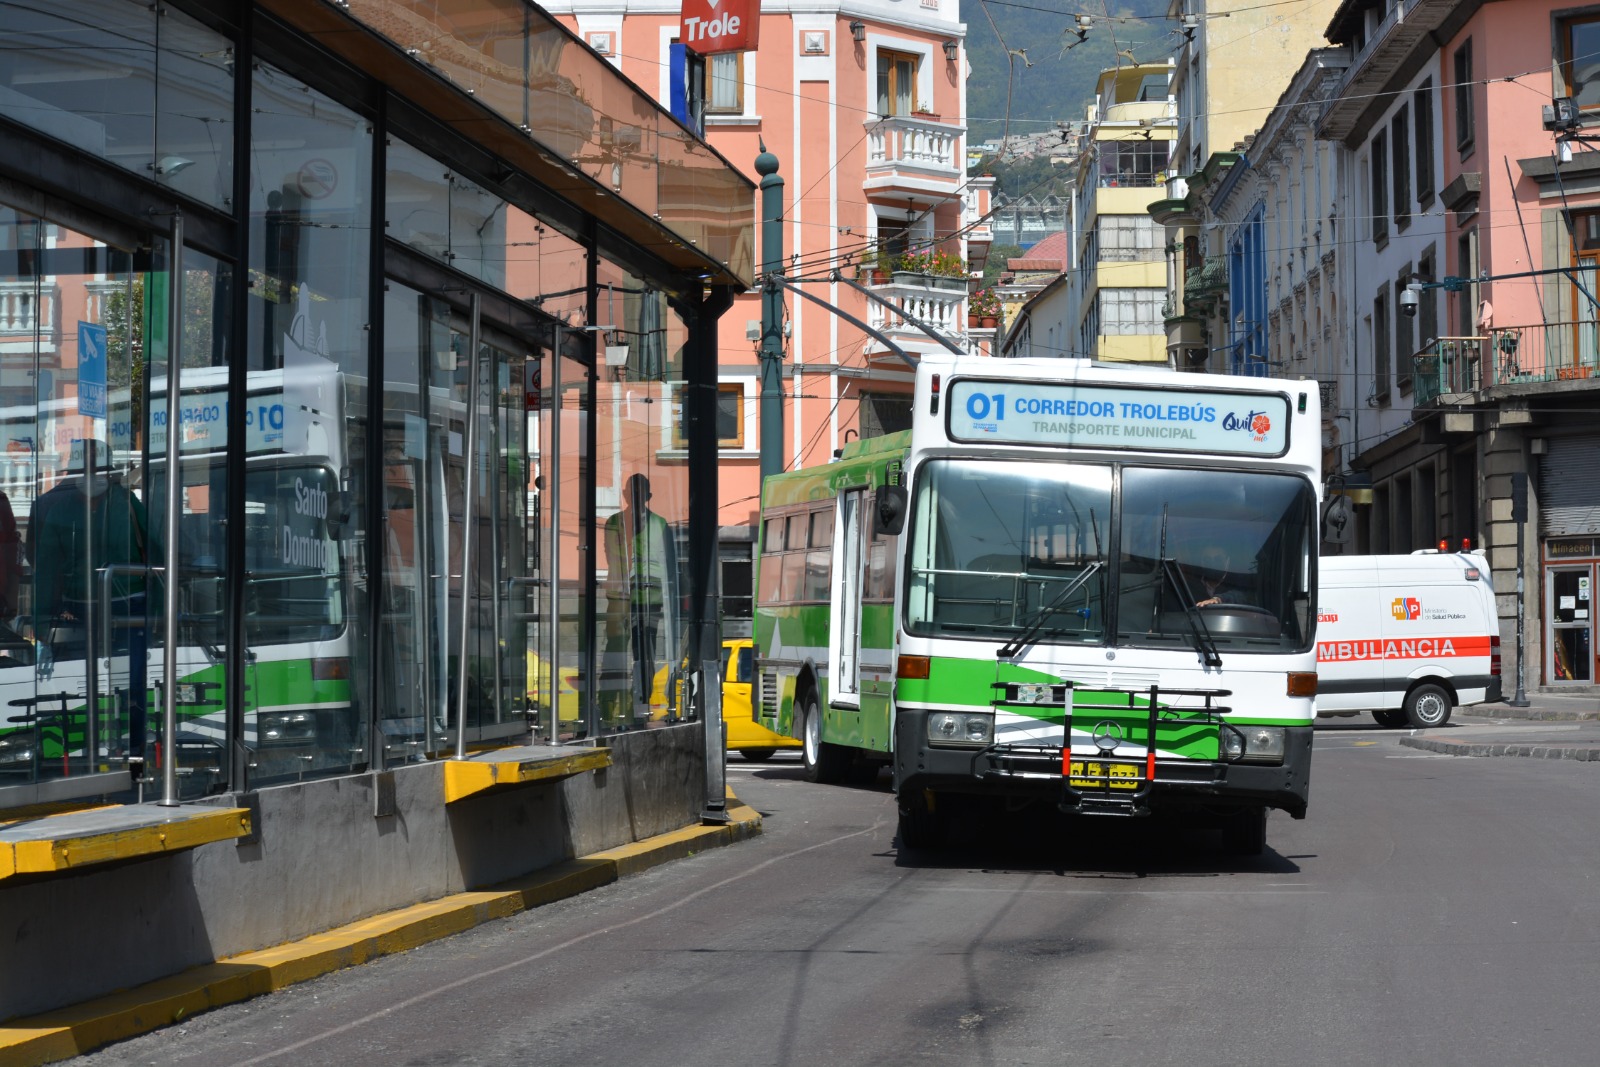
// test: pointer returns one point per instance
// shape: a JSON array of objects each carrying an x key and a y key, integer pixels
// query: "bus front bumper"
[{"x": 1022, "y": 773}]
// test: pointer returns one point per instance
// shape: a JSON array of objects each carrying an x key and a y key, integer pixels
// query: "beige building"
[{"x": 1117, "y": 278}]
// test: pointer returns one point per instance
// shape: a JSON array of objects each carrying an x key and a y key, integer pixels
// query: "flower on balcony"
[
  {"x": 947, "y": 265},
  {"x": 985, "y": 304}
]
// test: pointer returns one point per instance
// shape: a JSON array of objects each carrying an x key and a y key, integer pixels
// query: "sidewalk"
[
  {"x": 1553, "y": 726},
  {"x": 71, "y": 1031}
]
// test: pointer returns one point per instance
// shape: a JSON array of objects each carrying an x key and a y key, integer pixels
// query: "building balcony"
[
  {"x": 1205, "y": 284},
  {"x": 1175, "y": 209},
  {"x": 1542, "y": 355},
  {"x": 913, "y": 158},
  {"x": 1396, "y": 37},
  {"x": 940, "y": 306}
]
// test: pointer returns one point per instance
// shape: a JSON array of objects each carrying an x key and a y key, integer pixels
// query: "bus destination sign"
[{"x": 1123, "y": 417}]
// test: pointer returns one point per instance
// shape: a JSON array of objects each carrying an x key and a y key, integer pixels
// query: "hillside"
[{"x": 1060, "y": 82}]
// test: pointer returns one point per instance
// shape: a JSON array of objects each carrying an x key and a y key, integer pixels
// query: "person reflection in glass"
[
  {"x": 642, "y": 569},
  {"x": 91, "y": 520}
]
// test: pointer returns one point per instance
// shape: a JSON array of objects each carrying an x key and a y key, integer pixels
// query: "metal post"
[
  {"x": 1519, "y": 515},
  {"x": 771, "y": 315},
  {"x": 169, "y": 653},
  {"x": 469, "y": 511},
  {"x": 91, "y": 647},
  {"x": 550, "y": 472}
]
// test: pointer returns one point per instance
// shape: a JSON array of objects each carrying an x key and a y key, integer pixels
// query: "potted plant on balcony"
[{"x": 984, "y": 309}]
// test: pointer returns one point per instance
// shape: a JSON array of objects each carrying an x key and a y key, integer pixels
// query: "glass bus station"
[{"x": 433, "y": 291}]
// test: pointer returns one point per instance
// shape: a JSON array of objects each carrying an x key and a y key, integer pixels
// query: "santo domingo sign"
[{"x": 707, "y": 27}]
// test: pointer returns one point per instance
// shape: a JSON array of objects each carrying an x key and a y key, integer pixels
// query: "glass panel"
[
  {"x": 574, "y": 538},
  {"x": 75, "y": 531},
  {"x": 412, "y": 638},
  {"x": 995, "y": 544},
  {"x": 309, "y": 669},
  {"x": 1583, "y": 62},
  {"x": 194, "y": 111},
  {"x": 149, "y": 90},
  {"x": 85, "y": 74},
  {"x": 1237, "y": 546}
]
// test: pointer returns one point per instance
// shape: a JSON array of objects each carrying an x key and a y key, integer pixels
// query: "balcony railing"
[
  {"x": 944, "y": 309},
  {"x": 1515, "y": 355},
  {"x": 904, "y": 140}
]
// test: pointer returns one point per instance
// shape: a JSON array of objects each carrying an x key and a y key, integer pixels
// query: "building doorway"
[{"x": 1569, "y": 640}]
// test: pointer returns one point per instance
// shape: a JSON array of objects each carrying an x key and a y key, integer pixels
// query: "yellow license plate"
[{"x": 1085, "y": 775}]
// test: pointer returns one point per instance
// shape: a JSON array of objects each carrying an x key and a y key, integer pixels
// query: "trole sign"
[{"x": 711, "y": 26}]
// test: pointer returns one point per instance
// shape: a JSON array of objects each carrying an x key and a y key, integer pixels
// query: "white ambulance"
[{"x": 1406, "y": 637}]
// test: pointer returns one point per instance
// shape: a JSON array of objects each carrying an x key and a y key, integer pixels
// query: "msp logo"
[{"x": 1406, "y": 608}]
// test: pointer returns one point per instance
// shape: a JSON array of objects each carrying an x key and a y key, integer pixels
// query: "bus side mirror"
[{"x": 889, "y": 514}]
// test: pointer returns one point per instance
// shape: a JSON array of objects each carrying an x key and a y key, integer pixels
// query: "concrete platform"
[
  {"x": 60, "y": 843},
  {"x": 72, "y": 1031}
]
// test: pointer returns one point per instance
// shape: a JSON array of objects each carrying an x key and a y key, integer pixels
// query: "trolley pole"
[{"x": 771, "y": 314}]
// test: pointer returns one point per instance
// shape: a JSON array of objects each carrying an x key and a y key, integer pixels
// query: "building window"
[
  {"x": 1380, "y": 348},
  {"x": 1137, "y": 164},
  {"x": 1578, "y": 39},
  {"x": 725, "y": 83},
  {"x": 1130, "y": 312},
  {"x": 1422, "y": 122},
  {"x": 730, "y": 415},
  {"x": 1428, "y": 302},
  {"x": 738, "y": 589},
  {"x": 1400, "y": 146},
  {"x": 1466, "y": 267},
  {"x": 1380, "y": 187},
  {"x": 1127, "y": 238},
  {"x": 1465, "y": 127},
  {"x": 1405, "y": 338},
  {"x": 884, "y": 413},
  {"x": 897, "y": 83}
]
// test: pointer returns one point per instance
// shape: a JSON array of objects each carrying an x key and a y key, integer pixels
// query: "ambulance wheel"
[
  {"x": 922, "y": 825},
  {"x": 1428, "y": 705},
  {"x": 1390, "y": 718},
  {"x": 757, "y": 755},
  {"x": 1244, "y": 833},
  {"x": 824, "y": 763}
]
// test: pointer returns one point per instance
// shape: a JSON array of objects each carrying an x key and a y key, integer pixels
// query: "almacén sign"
[{"x": 1089, "y": 416}]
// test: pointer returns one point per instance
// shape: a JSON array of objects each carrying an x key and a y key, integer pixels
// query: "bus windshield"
[{"x": 1199, "y": 556}]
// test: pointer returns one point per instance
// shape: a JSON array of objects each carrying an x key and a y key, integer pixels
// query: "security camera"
[{"x": 1409, "y": 296}]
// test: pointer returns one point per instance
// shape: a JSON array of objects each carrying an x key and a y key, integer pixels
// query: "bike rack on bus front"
[{"x": 1093, "y": 788}]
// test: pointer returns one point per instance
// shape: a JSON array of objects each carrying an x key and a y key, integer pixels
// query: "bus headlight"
[
  {"x": 286, "y": 727},
  {"x": 959, "y": 728},
  {"x": 1252, "y": 744}
]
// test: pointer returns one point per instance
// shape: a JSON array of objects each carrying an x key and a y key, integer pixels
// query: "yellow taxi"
[
  {"x": 566, "y": 688},
  {"x": 745, "y": 736}
]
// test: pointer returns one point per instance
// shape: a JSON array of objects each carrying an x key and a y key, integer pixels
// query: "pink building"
[
  {"x": 1502, "y": 446},
  {"x": 865, "y": 108}
]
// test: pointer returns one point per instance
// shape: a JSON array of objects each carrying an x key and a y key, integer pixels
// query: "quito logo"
[{"x": 1255, "y": 423}]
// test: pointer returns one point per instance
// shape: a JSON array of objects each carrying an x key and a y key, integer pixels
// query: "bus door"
[{"x": 844, "y": 631}]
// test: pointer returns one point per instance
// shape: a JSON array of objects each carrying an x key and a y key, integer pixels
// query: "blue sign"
[{"x": 91, "y": 370}]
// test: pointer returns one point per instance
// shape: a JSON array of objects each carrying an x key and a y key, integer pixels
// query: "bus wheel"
[
  {"x": 824, "y": 762},
  {"x": 1392, "y": 718},
  {"x": 1428, "y": 705},
  {"x": 1244, "y": 833},
  {"x": 922, "y": 825},
  {"x": 757, "y": 755}
]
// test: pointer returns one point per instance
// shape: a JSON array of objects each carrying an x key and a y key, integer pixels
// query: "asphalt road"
[{"x": 1431, "y": 910}]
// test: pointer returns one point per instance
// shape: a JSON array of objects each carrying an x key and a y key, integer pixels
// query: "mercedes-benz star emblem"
[{"x": 1107, "y": 736}]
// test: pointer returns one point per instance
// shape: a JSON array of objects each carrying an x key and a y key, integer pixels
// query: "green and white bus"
[{"x": 1068, "y": 584}]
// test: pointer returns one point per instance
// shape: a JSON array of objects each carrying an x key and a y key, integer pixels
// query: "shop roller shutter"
[{"x": 1569, "y": 487}]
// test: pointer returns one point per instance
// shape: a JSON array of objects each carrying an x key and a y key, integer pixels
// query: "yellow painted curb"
[{"x": 72, "y": 1031}]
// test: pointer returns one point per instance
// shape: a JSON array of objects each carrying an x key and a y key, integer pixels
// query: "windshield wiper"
[
  {"x": 1026, "y": 637},
  {"x": 1204, "y": 643}
]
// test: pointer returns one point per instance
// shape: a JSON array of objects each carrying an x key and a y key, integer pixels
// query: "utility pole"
[
  {"x": 771, "y": 314},
  {"x": 1519, "y": 515}
]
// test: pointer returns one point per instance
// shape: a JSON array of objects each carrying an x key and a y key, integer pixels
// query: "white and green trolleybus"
[{"x": 1068, "y": 584}]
